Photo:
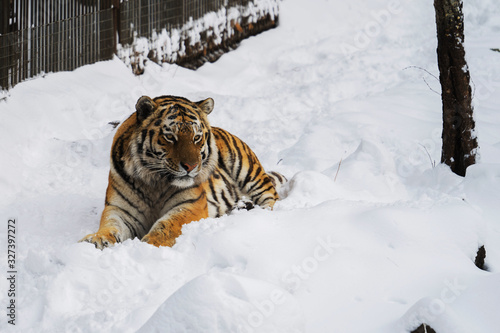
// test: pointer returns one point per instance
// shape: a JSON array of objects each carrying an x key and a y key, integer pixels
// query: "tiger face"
[{"x": 174, "y": 140}]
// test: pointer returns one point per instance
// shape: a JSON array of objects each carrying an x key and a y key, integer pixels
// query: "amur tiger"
[{"x": 169, "y": 167}]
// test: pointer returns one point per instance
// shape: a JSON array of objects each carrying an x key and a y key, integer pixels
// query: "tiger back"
[{"x": 169, "y": 167}]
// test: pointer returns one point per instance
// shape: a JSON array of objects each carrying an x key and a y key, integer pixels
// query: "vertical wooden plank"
[
  {"x": 87, "y": 48},
  {"x": 77, "y": 35},
  {"x": 57, "y": 37},
  {"x": 47, "y": 36},
  {"x": 71, "y": 35},
  {"x": 83, "y": 44},
  {"x": 31, "y": 41},
  {"x": 36, "y": 39},
  {"x": 97, "y": 31},
  {"x": 5, "y": 62},
  {"x": 22, "y": 63},
  {"x": 91, "y": 37},
  {"x": 63, "y": 17},
  {"x": 74, "y": 35},
  {"x": 51, "y": 46},
  {"x": 4, "y": 16},
  {"x": 34, "y": 36},
  {"x": 86, "y": 45},
  {"x": 43, "y": 6}
]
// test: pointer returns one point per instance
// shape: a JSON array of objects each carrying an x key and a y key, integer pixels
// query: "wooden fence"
[
  {"x": 38, "y": 37},
  {"x": 50, "y": 36}
]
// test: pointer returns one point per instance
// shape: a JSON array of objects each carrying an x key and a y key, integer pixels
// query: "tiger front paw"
[
  {"x": 158, "y": 239},
  {"x": 101, "y": 239}
]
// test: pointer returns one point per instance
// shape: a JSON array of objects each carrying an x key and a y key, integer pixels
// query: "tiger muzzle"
[{"x": 188, "y": 167}]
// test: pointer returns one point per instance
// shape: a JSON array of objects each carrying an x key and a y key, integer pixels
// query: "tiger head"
[{"x": 173, "y": 141}]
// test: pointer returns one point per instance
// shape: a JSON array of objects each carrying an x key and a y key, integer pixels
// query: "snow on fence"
[{"x": 38, "y": 37}]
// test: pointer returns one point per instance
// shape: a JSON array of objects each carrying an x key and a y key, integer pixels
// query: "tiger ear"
[
  {"x": 144, "y": 106},
  {"x": 206, "y": 106}
]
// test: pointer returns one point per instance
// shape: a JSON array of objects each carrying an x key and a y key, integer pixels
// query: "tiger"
[{"x": 169, "y": 167}]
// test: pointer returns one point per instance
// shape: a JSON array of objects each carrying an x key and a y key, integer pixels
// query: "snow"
[
  {"x": 372, "y": 234},
  {"x": 168, "y": 46}
]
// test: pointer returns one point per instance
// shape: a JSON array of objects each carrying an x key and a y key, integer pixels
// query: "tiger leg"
[
  {"x": 112, "y": 229},
  {"x": 169, "y": 226}
]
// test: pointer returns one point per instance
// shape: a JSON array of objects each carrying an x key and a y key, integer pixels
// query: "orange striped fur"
[{"x": 169, "y": 167}]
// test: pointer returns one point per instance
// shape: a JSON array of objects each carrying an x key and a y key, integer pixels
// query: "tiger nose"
[{"x": 188, "y": 167}]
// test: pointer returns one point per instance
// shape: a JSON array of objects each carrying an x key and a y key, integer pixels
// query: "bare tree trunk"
[{"x": 459, "y": 140}]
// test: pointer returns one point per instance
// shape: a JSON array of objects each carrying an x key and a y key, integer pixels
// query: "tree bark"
[{"x": 459, "y": 139}]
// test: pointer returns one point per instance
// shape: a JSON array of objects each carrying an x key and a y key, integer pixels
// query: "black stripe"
[
  {"x": 194, "y": 118},
  {"x": 258, "y": 173},
  {"x": 209, "y": 147},
  {"x": 143, "y": 137},
  {"x": 222, "y": 164},
  {"x": 258, "y": 194},
  {"x": 131, "y": 205},
  {"x": 178, "y": 191},
  {"x": 167, "y": 99},
  {"x": 226, "y": 142},
  {"x": 280, "y": 177},
  {"x": 226, "y": 200},
  {"x": 266, "y": 200},
  {"x": 130, "y": 227},
  {"x": 144, "y": 163},
  {"x": 229, "y": 186},
  {"x": 249, "y": 176},
  {"x": 160, "y": 116},
  {"x": 118, "y": 151},
  {"x": 149, "y": 153},
  {"x": 125, "y": 199},
  {"x": 212, "y": 189},
  {"x": 213, "y": 203},
  {"x": 189, "y": 201},
  {"x": 151, "y": 134},
  {"x": 217, "y": 206},
  {"x": 249, "y": 172},
  {"x": 258, "y": 184},
  {"x": 240, "y": 157},
  {"x": 127, "y": 224}
]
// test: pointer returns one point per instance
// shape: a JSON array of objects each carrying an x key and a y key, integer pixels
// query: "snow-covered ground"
[{"x": 381, "y": 243}]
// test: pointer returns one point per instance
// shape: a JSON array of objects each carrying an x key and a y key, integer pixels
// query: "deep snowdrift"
[{"x": 382, "y": 243}]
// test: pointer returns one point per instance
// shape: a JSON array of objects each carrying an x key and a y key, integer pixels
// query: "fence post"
[
  {"x": 4, "y": 16},
  {"x": 116, "y": 24}
]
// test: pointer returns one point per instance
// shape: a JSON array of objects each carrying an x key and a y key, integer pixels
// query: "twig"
[
  {"x": 425, "y": 70},
  {"x": 334, "y": 179},
  {"x": 433, "y": 163}
]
